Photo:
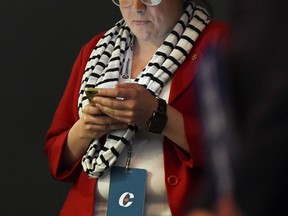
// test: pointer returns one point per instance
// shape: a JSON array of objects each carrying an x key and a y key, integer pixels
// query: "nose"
[{"x": 138, "y": 6}]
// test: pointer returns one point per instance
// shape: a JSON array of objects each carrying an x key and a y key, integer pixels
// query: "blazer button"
[{"x": 172, "y": 180}]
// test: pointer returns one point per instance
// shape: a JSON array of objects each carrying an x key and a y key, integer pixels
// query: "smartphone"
[{"x": 90, "y": 92}]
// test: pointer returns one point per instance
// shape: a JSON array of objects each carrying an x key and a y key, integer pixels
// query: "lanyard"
[
  {"x": 125, "y": 73},
  {"x": 125, "y": 77},
  {"x": 129, "y": 154}
]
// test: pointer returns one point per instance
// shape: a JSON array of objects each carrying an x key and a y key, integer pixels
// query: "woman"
[{"x": 144, "y": 115}]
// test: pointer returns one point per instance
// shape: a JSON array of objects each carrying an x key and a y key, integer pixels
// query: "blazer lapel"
[{"x": 185, "y": 74}]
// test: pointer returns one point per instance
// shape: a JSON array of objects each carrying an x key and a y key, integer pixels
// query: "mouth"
[{"x": 140, "y": 22}]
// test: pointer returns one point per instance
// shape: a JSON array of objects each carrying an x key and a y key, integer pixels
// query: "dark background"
[{"x": 39, "y": 41}]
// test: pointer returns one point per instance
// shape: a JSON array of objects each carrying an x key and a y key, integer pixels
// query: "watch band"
[
  {"x": 158, "y": 120},
  {"x": 162, "y": 106}
]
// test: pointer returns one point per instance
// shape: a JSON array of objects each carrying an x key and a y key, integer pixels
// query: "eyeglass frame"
[{"x": 143, "y": 1}]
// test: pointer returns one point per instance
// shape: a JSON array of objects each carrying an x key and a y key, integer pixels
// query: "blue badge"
[{"x": 126, "y": 192}]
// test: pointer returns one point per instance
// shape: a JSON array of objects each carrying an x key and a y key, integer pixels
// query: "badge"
[{"x": 127, "y": 191}]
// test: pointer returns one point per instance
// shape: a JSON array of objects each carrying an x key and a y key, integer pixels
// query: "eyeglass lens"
[{"x": 126, "y": 3}]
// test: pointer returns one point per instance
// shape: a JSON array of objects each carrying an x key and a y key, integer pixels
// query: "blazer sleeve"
[
  {"x": 215, "y": 34},
  {"x": 65, "y": 117}
]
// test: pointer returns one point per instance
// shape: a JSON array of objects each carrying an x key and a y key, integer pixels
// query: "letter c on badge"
[{"x": 126, "y": 199}]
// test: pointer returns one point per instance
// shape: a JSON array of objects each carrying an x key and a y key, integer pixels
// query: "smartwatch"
[{"x": 158, "y": 120}]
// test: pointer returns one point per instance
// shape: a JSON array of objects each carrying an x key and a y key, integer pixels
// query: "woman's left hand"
[
  {"x": 128, "y": 102},
  {"x": 131, "y": 103}
]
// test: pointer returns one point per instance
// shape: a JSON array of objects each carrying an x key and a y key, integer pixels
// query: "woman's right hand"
[{"x": 93, "y": 124}]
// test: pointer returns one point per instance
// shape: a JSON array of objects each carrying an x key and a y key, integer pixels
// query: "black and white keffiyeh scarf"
[{"x": 105, "y": 62}]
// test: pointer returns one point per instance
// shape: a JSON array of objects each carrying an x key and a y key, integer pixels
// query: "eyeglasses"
[{"x": 127, "y": 3}]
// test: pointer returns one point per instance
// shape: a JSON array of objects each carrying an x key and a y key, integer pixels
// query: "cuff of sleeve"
[
  {"x": 196, "y": 149},
  {"x": 57, "y": 170}
]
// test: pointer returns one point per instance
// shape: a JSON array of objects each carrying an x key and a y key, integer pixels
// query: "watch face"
[
  {"x": 157, "y": 123},
  {"x": 158, "y": 119}
]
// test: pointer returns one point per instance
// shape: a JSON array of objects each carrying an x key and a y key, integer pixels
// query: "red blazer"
[{"x": 182, "y": 171}]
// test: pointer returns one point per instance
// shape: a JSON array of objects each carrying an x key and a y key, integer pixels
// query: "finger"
[
  {"x": 108, "y": 92},
  {"x": 112, "y": 103},
  {"x": 125, "y": 116},
  {"x": 117, "y": 126},
  {"x": 129, "y": 85},
  {"x": 92, "y": 110},
  {"x": 123, "y": 90},
  {"x": 96, "y": 128},
  {"x": 99, "y": 120}
]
